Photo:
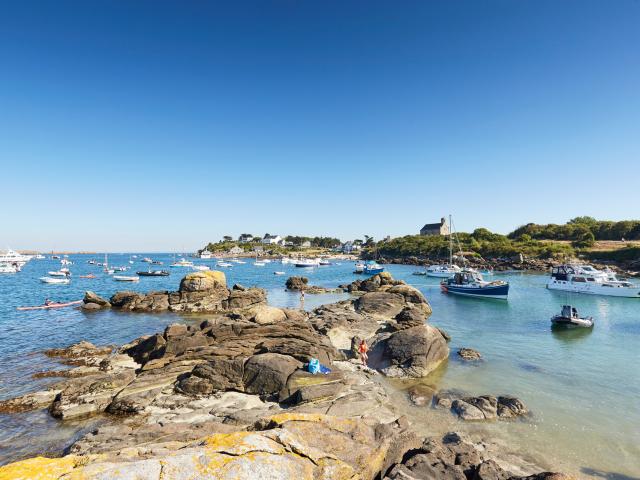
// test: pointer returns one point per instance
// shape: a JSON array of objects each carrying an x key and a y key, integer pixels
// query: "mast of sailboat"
[{"x": 450, "y": 242}]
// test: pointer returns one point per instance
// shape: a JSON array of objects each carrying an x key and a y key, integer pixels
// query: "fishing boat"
[
  {"x": 471, "y": 284},
  {"x": 9, "y": 268},
  {"x": 307, "y": 263},
  {"x": 588, "y": 280},
  {"x": 569, "y": 318},
  {"x": 47, "y": 306},
  {"x": 60, "y": 281},
  {"x": 125, "y": 278},
  {"x": 372, "y": 268},
  {"x": 154, "y": 273}
]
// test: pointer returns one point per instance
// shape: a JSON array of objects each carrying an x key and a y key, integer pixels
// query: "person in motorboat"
[{"x": 574, "y": 312}]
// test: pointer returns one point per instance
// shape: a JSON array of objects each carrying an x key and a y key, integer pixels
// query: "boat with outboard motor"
[
  {"x": 569, "y": 317},
  {"x": 10, "y": 268},
  {"x": 586, "y": 279},
  {"x": 307, "y": 262},
  {"x": 471, "y": 284},
  {"x": 359, "y": 268}
]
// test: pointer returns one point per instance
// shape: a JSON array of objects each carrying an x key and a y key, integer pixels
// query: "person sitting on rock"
[{"x": 363, "y": 349}]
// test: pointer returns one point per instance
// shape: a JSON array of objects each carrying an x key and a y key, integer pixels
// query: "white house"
[
  {"x": 350, "y": 247},
  {"x": 245, "y": 238},
  {"x": 236, "y": 250},
  {"x": 271, "y": 239},
  {"x": 306, "y": 244}
]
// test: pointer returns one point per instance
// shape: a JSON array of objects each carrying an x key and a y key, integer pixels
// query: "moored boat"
[
  {"x": 55, "y": 281},
  {"x": 588, "y": 280},
  {"x": 278, "y": 273},
  {"x": 359, "y": 268},
  {"x": 306, "y": 263},
  {"x": 569, "y": 318},
  {"x": 182, "y": 263},
  {"x": 9, "y": 268},
  {"x": 153, "y": 273},
  {"x": 372, "y": 268},
  {"x": 471, "y": 284},
  {"x": 125, "y": 278},
  {"x": 12, "y": 257},
  {"x": 443, "y": 271}
]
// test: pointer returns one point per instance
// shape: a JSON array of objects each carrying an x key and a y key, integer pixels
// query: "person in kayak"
[{"x": 47, "y": 302}]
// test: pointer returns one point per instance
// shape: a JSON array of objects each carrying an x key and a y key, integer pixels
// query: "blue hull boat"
[
  {"x": 471, "y": 284},
  {"x": 371, "y": 268}
]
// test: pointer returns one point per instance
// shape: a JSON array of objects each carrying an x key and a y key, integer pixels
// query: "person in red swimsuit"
[{"x": 363, "y": 349}]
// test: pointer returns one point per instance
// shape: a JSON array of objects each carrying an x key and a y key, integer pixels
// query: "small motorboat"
[
  {"x": 63, "y": 272},
  {"x": 125, "y": 278},
  {"x": 201, "y": 268},
  {"x": 279, "y": 273},
  {"x": 324, "y": 262},
  {"x": 569, "y": 318},
  {"x": 119, "y": 269},
  {"x": 240, "y": 262},
  {"x": 146, "y": 260},
  {"x": 359, "y": 268},
  {"x": 419, "y": 272},
  {"x": 64, "y": 261},
  {"x": 47, "y": 306},
  {"x": 156, "y": 262},
  {"x": 91, "y": 275},
  {"x": 182, "y": 263},
  {"x": 224, "y": 264},
  {"x": 91, "y": 262},
  {"x": 154, "y": 273},
  {"x": 55, "y": 281},
  {"x": 259, "y": 264}
]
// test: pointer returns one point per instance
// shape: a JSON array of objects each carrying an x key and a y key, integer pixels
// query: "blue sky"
[{"x": 152, "y": 125}]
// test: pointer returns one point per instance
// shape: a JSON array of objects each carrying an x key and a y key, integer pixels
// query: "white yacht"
[
  {"x": 586, "y": 279},
  {"x": 307, "y": 262},
  {"x": 12, "y": 257},
  {"x": 443, "y": 271}
]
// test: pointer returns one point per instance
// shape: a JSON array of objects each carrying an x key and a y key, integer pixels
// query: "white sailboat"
[{"x": 445, "y": 270}]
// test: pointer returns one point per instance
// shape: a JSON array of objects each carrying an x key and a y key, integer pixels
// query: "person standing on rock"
[
  {"x": 363, "y": 349},
  {"x": 302, "y": 299}
]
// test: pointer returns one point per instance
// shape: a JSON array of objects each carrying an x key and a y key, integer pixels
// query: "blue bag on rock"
[{"x": 314, "y": 366}]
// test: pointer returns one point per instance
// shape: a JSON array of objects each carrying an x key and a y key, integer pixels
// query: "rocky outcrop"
[
  {"x": 297, "y": 283},
  {"x": 469, "y": 354},
  {"x": 199, "y": 292},
  {"x": 484, "y": 407},
  {"x": 413, "y": 352},
  {"x": 81, "y": 353},
  {"x": 92, "y": 301}
]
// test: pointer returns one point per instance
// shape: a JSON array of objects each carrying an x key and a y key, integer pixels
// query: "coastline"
[{"x": 336, "y": 325}]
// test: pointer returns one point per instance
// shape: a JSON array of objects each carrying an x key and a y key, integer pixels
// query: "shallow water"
[{"x": 582, "y": 386}]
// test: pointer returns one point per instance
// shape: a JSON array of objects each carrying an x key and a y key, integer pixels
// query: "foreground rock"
[
  {"x": 199, "y": 292},
  {"x": 484, "y": 407},
  {"x": 453, "y": 457}
]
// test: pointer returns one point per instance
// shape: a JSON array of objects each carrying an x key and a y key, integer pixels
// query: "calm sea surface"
[{"x": 582, "y": 386}]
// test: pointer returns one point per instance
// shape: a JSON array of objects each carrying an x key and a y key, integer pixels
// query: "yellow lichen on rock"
[
  {"x": 38, "y": 468},
  {"x": 216, "y": 275}
]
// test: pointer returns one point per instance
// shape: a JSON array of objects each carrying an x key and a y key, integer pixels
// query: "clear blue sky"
[{"x": 153, "y": 125}]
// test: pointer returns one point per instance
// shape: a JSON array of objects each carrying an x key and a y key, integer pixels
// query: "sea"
[{"x": 582, "y": 386}]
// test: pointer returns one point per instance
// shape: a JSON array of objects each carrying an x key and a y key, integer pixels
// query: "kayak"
[
  {"x": 52, "y": 305},
  {"x": 88, "y": 276}
]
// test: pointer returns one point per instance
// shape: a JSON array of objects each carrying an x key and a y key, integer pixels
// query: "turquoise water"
[{"x": 582, "y": 386}]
